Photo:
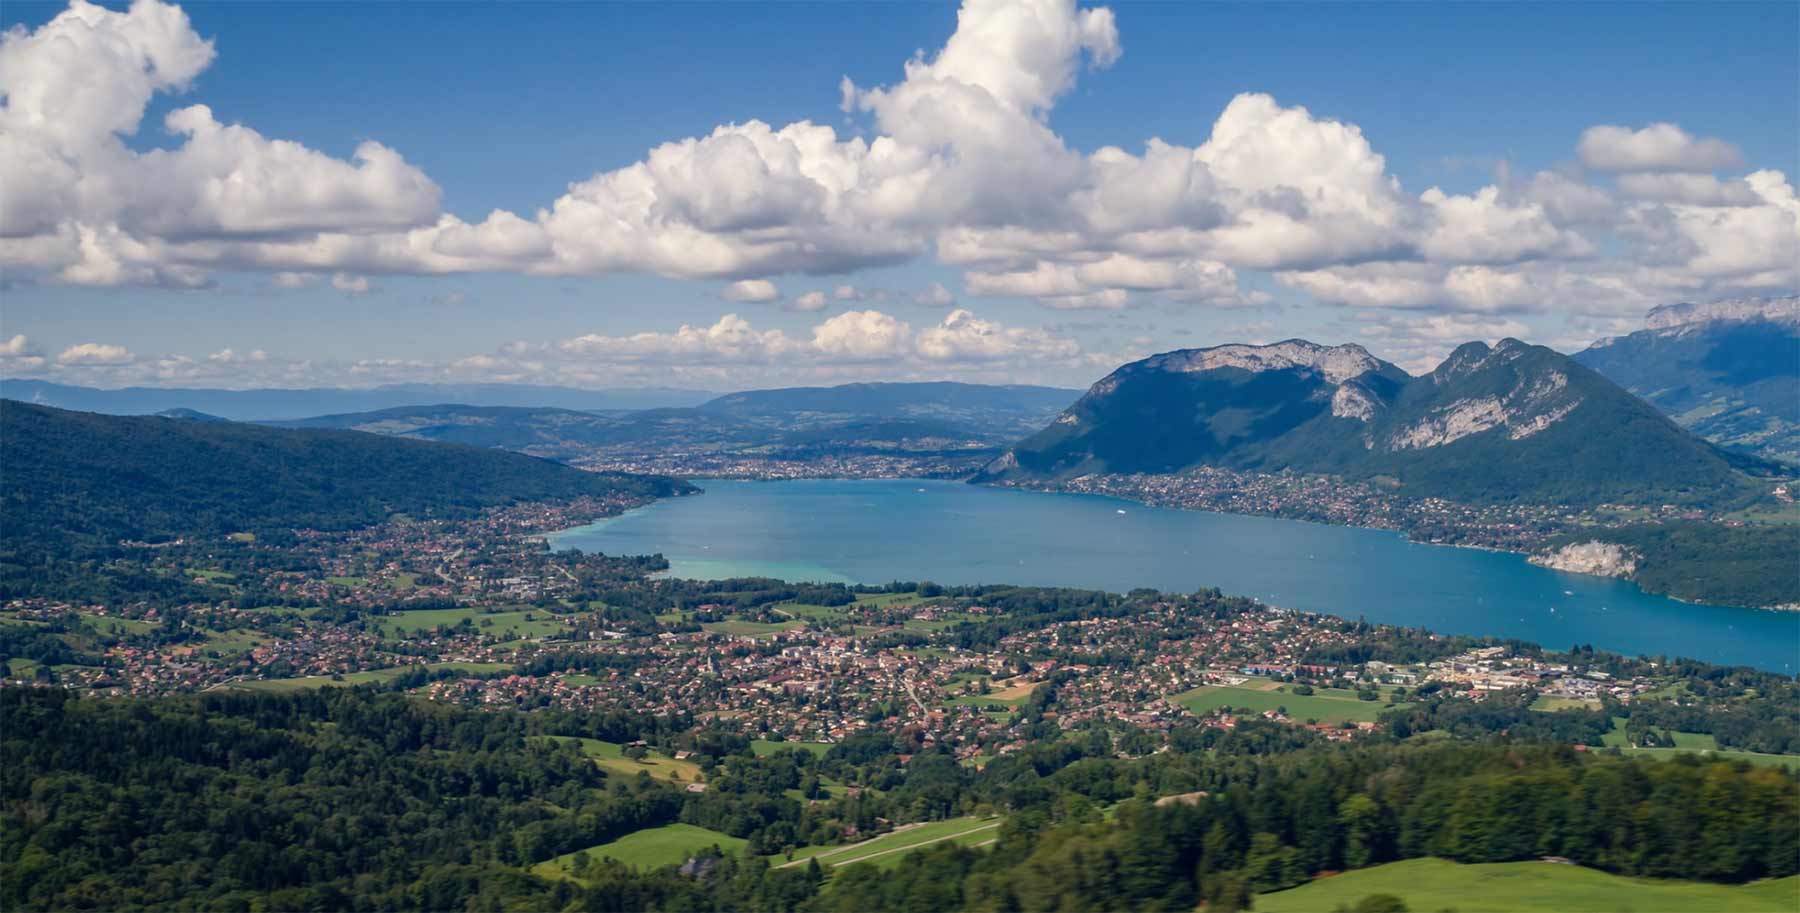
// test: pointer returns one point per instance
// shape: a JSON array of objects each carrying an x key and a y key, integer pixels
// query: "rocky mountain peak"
[
  {"x": 1784, "y": 309},
  {"x": 1336, "y": 364}
]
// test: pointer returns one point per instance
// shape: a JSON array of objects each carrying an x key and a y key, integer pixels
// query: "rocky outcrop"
[
  {"x": 1507, "y": 421},
  {"x": 1673, "y": 315},
  {"x": 1602, "y": 559},
  {"x": 1336, "y": 363}
]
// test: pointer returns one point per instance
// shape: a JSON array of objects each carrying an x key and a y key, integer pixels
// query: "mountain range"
[
  {"x": 76, "y": 483},
  {"x": 1512, "y": 422},
  {"x": 272, "y": 404},
  {"x": 1729, "y": 370},
  {"x": 912, "y": 417}
]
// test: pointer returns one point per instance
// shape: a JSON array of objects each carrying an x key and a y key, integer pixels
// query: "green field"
[
  {"x": 811, "y": 612},
  {"x": 888, "y": 848},
  {"x": 983, "y": 701},
  {"x": 750, "y": 628},
  {"x": 1789, "y": 761},
  {"x": 504, "y": 625},
  {"x": 1684, "y": 741},
  {"x": 611, "y": 758},
  {"x": 239, "y": 640},
  {"x": 1528, "y": 887},
  {"x": 1553, "y": 704},
  {"x": 650, "y": 848},
  {"x": 1329, "y": 706},
  {"x": 106, "y": 624},
  {"x": 1694, "y": 743},
  {"x": 764, "y": 747},
  {"x": 361, "y": 678},
  {"x": 948, "y": 620},
  {"x": 886, "y": 600}
]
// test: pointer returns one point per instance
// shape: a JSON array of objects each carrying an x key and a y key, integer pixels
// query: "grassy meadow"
[
  {"x": 888, "y": 848},
  {"x": 360, "y": 678},
  {"x": 611, "y": 758},
  {"x": 1327, "y": 705},
  {"x": 650, "y": 848},
  {"x": 1528, "y": 887}
]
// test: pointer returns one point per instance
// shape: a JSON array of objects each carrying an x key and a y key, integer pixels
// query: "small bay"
[{"x": 877, "y": 531}]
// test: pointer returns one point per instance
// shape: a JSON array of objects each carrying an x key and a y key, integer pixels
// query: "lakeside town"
[{"x": 482, "y": 613}]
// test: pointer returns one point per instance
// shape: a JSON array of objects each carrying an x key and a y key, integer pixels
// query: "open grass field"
[
  {"x": 1528, "y": 887},
  {"x": 1696, "y": 743},
  {"x": 1789, "y": 761},
  {"x": 1329, "y": 706},
  {"x": 985, "y": 701},
  {"x": 1684, "y": 741},
  {"x": 813, "y": 612},
  {"x": 888, "y": 848},
  {"x": 764, "y": 748},
  {"x": 933, "y": 625},
  {"x": 1553, "y": 704},
  {"x": 27, "y": 668},
  {"x": 885, "y": 600},
  {"x": 611, "y": 758},
  {"x": 650, "y": 848},
  {"x": 237, "y": 640},
  {"x": 360, "y": 678},
  {"x": 106, "y": 624},
  {"x": 506, "y": 625},
  {"x": 750, "y": 628}
]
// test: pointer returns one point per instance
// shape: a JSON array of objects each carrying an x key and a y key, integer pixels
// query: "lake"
[{"x": 877, "y": 531}]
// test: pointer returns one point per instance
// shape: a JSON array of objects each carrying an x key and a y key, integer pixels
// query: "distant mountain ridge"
[
  {"x": 1002, "y": 408},
  {"x": 1783, "y": 309},
  {"x": 1511, "y": 422},
  {"x": 1729, "y": 371},
  {"x": 810, "y": 419},
  {"x": 277, "y": 404},
  {"x": 76, "y": 482}
]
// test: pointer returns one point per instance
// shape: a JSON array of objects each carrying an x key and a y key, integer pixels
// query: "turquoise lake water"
[{"x": 876, "y": 531}]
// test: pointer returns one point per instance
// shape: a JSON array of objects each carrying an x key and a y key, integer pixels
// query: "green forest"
[
  {"x": 344, "y": 798},
  {"x": 1749, "y": 565},
  {"x": 76, "y": 485}
]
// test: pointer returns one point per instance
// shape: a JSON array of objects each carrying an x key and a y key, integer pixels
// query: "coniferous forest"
[{"x": 346, "y": 799}]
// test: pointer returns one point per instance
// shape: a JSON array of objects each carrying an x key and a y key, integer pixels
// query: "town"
[{"x": 482, "y": 613}]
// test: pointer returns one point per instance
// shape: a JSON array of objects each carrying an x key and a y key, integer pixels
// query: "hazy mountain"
[
  {"x": 1510, "y": 422},
  {"x": 189, "y": 415},
  {"x": 281, "y": 404},
  {"x": 77, "y": 480},
  {"x": 1000, "y": 409},
  {"x": 811, "y": 419},
  {"x": 1729, "y": 371}
]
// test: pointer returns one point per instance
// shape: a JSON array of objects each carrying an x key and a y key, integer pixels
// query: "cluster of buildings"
[
  {"x": 898, "y": 464},
  {"x": 1492, "y": 669},
  {"x": 822, "y": 676}
]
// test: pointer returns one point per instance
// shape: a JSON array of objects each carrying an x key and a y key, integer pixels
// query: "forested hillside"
[
  {"x": 74, "y": 485},
  {"x": 1729, "y": 371},
  {"x": 339, "y": 799}
]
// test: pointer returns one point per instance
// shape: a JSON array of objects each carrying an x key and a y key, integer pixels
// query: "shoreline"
[{"x": 1406, "y": 535}]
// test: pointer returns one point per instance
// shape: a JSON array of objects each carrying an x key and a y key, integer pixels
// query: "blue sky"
[{"x": 503, "y": 107}]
